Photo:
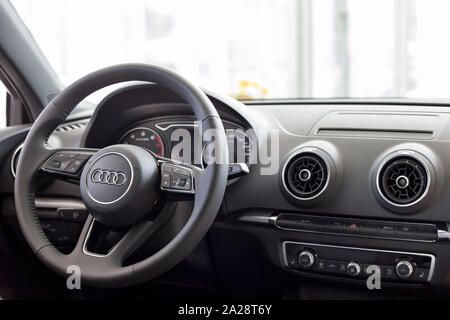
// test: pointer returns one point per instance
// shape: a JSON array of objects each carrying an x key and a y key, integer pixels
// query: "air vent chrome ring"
[
  {"x": 307, "y": 173},
  {"x": 403, "y": 178}
]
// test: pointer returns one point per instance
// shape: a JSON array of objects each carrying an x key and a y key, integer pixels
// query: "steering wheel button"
[
  {"x": 165, "y": 175},
  {"x": 75, "y": 166},
  {"x": 181, "y": 181},
  {"x": 181, "y": 171},
  {"x": 165, "y": 182},
  {"x": 56, "y": 164}
]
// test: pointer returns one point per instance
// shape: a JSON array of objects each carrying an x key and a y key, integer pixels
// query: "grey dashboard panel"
[
  {"x": 308, "y": 119},
  {"x": 390, "y": 128},
  {"x": 358, "y": 137}
]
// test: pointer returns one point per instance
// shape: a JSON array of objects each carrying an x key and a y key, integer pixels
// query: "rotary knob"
[
  {"x": 306, "y": 259},
  {"x": 404, "y": 269},
  {"x": 353, "y": 269}
]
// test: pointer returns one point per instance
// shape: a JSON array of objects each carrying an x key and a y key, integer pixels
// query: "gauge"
[
  {"x": 145, "y": 138},
  {"x": 240, "y": 148}
]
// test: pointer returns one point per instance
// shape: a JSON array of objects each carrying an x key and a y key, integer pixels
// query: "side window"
[{"x": 3, "y": 95}]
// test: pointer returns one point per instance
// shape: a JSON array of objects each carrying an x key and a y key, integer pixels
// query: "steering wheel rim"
[{"x": 99, "y": 271}]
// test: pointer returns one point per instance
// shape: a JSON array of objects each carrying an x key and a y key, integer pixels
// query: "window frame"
[{"x": 21, "y": 100}]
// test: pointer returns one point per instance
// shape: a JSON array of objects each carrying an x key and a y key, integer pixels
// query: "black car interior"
[{"x": 352, "y": 183}]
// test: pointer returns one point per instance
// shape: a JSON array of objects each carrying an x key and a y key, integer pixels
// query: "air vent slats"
[
  {"x": 306, "y": 175},
  {"x": 403, "y": 180}
]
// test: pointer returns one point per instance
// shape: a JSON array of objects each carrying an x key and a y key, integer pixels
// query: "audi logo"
[{"x": 108, "y": 177}]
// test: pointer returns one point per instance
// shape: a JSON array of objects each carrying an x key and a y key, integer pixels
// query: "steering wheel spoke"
[
  {"x": 67, "y": 164},
  {"x": 127, "y": 243},
  {"x": 133, "y": 239}
]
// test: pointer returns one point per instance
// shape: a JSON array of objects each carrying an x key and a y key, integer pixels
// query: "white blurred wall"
[{"x": 293, "y": 48}]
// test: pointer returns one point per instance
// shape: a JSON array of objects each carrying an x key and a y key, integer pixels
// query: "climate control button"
[
  {"x": 353, "y": 269},
  {"x": 404, "y": 269},
  {"x": 306, "y": 259}
]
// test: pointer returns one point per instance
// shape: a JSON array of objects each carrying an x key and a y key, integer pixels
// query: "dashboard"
[
  {"x": 347, "y": 186},
  {"x": 161, "y": 136}
]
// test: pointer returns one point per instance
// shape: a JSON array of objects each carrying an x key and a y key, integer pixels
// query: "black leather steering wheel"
[{"x": 119, "y": 184}]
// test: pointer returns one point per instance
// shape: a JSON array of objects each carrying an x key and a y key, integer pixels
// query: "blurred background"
[{"x": 256, "y": 49}]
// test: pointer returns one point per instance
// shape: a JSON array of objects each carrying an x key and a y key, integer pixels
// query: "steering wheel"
[{"x": 120, "y": 184}]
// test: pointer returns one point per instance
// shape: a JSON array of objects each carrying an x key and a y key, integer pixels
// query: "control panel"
[
  {"x": 67, "y": 162},
  {"x": 349, "y": 262},
  {"x": 396, "y": 230},
  {"x": 176, "y": 178}
]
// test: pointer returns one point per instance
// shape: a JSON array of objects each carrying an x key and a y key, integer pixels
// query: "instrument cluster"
[{"x": 155, "y": 135}]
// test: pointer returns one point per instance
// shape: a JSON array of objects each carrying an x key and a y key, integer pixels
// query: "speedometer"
[{"x": 145, "y": 138}]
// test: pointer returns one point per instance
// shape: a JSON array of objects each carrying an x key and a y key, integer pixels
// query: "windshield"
[{"x": 256, "y": 49}]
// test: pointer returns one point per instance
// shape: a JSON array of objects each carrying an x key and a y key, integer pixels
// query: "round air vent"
[
  {"x": 403, "y": 180},
  {"x": 306, "y": 175}
]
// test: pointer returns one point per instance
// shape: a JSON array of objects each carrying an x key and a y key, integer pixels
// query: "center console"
[
  {"x": 350, "y": 262},
  {"x": 320, "y": 257}
]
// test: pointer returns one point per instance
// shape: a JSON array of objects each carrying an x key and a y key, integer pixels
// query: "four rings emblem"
[{"x": 108, "y": 177}]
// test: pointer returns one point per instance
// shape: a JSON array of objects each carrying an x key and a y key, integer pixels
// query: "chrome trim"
[
  {"x": 87, "y": 252},
  {"x": 408, "y": 153},
  {"x": 166, "y": 125},
  {"x": 299, "y": 152},
  {"x": 57, "y": 203},
  {"x": 408, "y": 265},
  {"x": 108, "y": 177},
  {"x": 129, "y": 186},
  {"x": 432, "y": 257},
  {"x": 172, "y": 124},
  {"x": 255, "y": 218},
  {"x": 359, "y": 235},
  {"x": 444, "y": 234},
  {"x": 272, "y": 220},
  {"x": 13, "y": 159},
  {"x": 356, "y": 265},
  {"x": 311, "y": 257},
  {"x": 308, "y": 175}
]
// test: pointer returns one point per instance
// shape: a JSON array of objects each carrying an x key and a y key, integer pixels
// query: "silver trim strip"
[
  {"x": 87, "y": 252},
  {"x": 359, "y": 235},
  {"x": 432, "y": 257},
  {"x": 164, "y": 126},
  {"x": 59, "y": 203},
  {"x": 272, "y": 220}
]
